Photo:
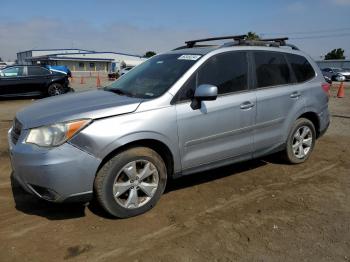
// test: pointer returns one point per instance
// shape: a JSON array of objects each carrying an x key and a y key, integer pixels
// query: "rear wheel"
[
  {"x": 301, "y": 141},
  {"x": 55, "y": 89},
  {"x": 131, "y": 183}
]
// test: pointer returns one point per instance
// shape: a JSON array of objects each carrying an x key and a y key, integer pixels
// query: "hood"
[{"x": 91, "y": 104}]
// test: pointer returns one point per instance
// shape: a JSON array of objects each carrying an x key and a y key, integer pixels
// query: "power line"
[
  {"x": 310, "y": 32},
  {"x": 320, "y": 36}
]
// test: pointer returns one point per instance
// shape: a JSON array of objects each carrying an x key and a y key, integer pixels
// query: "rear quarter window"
[{"x": 302, "y": 69}]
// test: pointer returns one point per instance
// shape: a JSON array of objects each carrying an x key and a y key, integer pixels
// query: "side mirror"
[{"x": 204, "y": 92}]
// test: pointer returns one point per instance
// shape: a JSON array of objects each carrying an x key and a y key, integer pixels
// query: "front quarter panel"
[{"x": 104, "y": 136}]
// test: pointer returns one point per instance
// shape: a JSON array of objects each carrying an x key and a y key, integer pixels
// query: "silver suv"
[{"x": 191, "y": 109}]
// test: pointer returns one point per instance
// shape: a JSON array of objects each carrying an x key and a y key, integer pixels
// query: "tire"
[
  {"x": 124, "y": 172},
  {"x": 55, "y": 89},
  {"x": 297, "y": 155}
]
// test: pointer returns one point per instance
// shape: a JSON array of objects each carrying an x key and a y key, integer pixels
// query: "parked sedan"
[
  {"x": 20, "y": 80},
  {"x": 2, "y": 65},
  {"x": 336, "y": 73}
]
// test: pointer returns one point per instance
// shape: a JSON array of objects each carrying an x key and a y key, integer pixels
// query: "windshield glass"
[{"x": 153, "y": 77}]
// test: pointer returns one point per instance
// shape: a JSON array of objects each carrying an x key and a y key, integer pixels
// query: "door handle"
[
  {"x": 295, "y": 95},
  {"x": 246, "y": 105}
]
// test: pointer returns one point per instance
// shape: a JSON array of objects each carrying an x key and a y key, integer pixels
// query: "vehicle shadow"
[
  {"x": 211, "y": 175},
  {"x": 32, "y": 205}
]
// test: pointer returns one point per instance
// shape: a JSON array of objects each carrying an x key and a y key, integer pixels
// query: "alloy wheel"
[
  {"x": 55, "y": 90},
  {"x": 302, "y": 142},
  {"x": 135, "y": 184}
]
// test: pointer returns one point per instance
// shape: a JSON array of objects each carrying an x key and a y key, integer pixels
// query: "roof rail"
[
  {"x": 241, "y": 40},
  {"x": 185, "y": 46},
  {"x": 270, "y": 42},
  {"x": 281, "y": 40},
  {"x": 192, "y": 43}
]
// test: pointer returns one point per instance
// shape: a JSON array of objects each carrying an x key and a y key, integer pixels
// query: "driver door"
[
  {"x": 11, "y": 80},
  {"x": 221, "y": 130}
]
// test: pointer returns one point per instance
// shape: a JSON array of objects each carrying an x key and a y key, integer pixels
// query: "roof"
[
  {"x": 206, "y": 50},
  {"x": 53, "y": 58},
  {"x": 56, "y": 49},
  {"x": 83, "y": 51}
]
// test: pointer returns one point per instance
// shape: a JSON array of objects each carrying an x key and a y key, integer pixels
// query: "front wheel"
[
  {"x": 300, "y": 142},
  {"x": 55, "y": 89},
  {"x": 131, "y": 183}
]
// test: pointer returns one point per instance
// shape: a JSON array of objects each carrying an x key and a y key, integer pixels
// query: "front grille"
[{"x": 16, "y": 131}]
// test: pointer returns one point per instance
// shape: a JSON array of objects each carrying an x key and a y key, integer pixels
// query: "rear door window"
[
  {"x": 303, "y": 71},
  {"x": 271, "y": 69},
  {"x": 37, "y": 71}
]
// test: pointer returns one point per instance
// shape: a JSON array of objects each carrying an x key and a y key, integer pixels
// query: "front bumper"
[{"x": 58, "y": 174}]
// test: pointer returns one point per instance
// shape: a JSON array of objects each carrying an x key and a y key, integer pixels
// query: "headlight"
[{"x": 56, "y": 134}]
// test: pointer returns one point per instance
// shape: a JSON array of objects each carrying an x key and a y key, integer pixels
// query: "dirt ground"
[{"x": 261, "y": 210}]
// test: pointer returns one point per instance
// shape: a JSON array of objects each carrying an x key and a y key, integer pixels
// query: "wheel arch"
[
  {"x": 161, "y": 148},
  {"x": 313, "y": 117}
]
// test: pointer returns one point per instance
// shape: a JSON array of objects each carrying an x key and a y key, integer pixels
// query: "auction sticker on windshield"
[{"x": 189, "y": 57}]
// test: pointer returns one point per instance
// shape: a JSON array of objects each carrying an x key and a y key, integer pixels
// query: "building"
[
  {"x": 76, "y": 59},
  {"x": 334, "y": 63}
]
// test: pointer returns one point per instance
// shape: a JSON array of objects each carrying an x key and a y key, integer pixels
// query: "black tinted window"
[
  {"x": 187, "y": 90},
  {"x": 228, "y": 71},
  {"x": 303, "y": 71},
  {"x": 37, "y": 71},
  {"x": 271, "y": 69}
]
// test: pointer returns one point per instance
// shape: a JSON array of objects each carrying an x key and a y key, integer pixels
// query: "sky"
[{"x": 135, "y": 26}]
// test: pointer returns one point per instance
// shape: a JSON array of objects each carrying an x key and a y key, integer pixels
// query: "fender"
[
  {"x": 144, "y": 135},
  {"x": 297, "y": 115}
]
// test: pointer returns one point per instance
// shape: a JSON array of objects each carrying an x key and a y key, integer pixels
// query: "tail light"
[{"x": 326, "y": 87}]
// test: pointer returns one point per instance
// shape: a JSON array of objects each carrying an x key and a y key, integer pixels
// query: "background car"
[
  {"x": 334, "y": 73},
  {"x": 21, "y": 80},
  {"x": 2, "y": 65},
  {"x": 328, "y": 79},
  {"x": 125, "y": 70}
]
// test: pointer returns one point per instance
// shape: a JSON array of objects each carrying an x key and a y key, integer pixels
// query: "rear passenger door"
[
  {"x": 220, "y": 130},
  {"x": 279, "y": 100}
]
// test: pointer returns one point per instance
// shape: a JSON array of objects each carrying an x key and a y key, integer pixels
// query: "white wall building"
[{"x": 77, "y": 59}]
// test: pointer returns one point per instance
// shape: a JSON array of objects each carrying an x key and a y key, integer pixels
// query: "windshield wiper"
[{"x": 119, "y": 92}]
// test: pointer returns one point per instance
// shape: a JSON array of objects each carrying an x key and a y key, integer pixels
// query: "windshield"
[{"x": 153, "y": 77}]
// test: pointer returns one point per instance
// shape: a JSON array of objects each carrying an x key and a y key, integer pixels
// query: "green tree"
[
  {"x": 149, "y": 54},
  {"x": 335, "y": 54},
  {"x": 253, "y": 36}
]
